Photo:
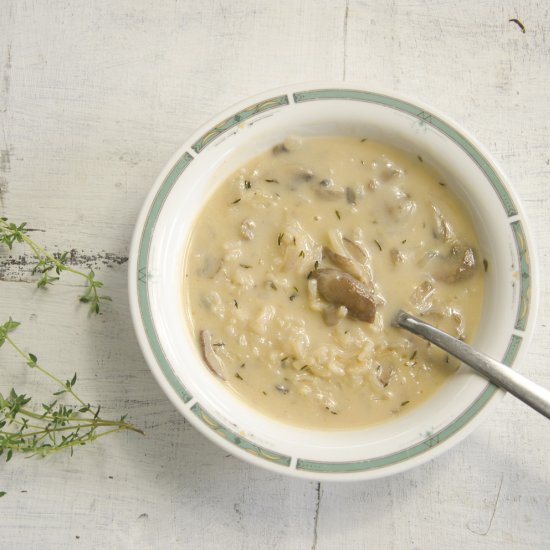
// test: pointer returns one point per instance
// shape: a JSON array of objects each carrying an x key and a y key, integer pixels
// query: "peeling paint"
[
  {"x": 19, "y": 268},
  {"x": 5, "y": 160}
]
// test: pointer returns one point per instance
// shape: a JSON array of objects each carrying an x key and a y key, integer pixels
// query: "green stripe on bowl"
[
  {"x": 432, "y": 440},
  {"x": 238, "y": 440},
  {"x": 237, "y": 118},
  {"x": 143, "y": 274},
  {"x": 512, "y": 350},
  {"x": 424, "y": 118},
  {"x": 143, "y": 277},
  {"x": 525, "y": 277}
]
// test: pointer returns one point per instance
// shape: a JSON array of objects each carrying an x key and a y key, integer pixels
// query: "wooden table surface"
[{"x": 95, "y": 96}]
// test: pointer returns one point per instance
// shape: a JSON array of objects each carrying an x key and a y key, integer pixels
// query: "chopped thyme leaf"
[
  {"x": 485, "y": 264},
  {"x": 238, "y": 376},
  {"x": 378, "y": 245},
  {"x": 236, "y": 201},
  {"x": 280, "y": 238},
  {"x": 302, "y": 254},
  {"x": 338, "y": 214},
  {"x": 247, "y": 184}
]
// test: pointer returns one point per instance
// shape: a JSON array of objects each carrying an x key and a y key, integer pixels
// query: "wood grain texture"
[{"x": 94, "y": 98}]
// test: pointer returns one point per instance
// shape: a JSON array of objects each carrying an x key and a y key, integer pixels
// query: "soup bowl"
[{"x": 225, "y": 143}]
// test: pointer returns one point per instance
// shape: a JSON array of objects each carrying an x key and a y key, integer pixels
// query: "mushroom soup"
[{"x": 298, "y": 263}]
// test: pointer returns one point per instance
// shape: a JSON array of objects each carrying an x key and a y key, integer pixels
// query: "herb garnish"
[
  {"x": 56, "y": 426},
  {"x": 47, "y": 263}
]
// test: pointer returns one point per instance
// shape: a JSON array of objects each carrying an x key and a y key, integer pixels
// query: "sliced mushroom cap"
[
  {"x": 341, "y": 289},
  {"x": 214, "y": 363},
  {"x": 343, "y": 262},
  {"x": 384, "y": 372},
  {"x": 443, "y": 229},
  {"x": 328, "y": 190},
  {"x": 460, "y": 264}
]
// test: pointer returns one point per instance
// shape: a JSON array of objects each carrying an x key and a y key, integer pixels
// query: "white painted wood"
[{"x": 94, "y": 98}]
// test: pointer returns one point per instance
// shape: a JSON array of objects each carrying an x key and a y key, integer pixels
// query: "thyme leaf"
[
  {"x": 50, "y": 266},
  {"x": 56, "y": 425}
]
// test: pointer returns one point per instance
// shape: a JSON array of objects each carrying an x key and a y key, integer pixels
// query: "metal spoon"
[{"x": 524, "y": 389}]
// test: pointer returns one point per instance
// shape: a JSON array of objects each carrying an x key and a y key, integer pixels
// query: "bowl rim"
[{"x": 228, "y": 438}]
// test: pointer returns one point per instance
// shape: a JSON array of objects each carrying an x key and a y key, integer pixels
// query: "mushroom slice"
[
  {"x": 213, "y": 362},
  {"x": 341, "y": 289},
  {"x": 349, "y": 256},
  {"x": 343, "y": 262},
  {"x": 396, "y": 256},
  {"x": 443, "y": 229},
  {"x": 356, "y": 251},
  {"x": 351, "y": 197},
  {"x": 459, "y": 265},
  {"x": 384, "y": 372},
  {"x": 328, "y": 190}
]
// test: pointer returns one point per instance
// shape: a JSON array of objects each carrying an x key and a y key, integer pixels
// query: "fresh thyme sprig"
[
  {"x": 50, "y": 266},
  {"x": 56, "y": 426}
]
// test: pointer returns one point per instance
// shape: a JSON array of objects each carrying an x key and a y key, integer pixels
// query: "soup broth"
[{"x": 298, "y": 263}]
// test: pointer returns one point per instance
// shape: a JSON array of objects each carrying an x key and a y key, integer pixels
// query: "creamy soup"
[{"x": 298, "y": 264}]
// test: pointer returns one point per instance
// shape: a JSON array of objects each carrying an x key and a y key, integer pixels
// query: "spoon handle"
[{"x": 506, "y": 378}]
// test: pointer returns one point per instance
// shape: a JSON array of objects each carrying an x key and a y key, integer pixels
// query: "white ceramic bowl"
[{"x": 217, "y": 149}]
